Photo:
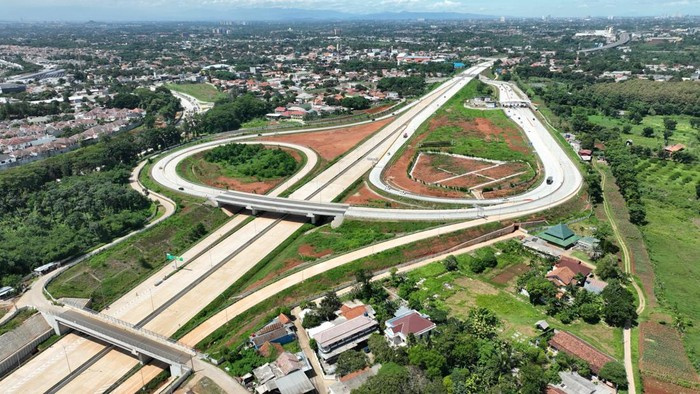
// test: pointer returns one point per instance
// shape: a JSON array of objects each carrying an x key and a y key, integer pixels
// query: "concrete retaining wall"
[{"x": 21, "y": 342}]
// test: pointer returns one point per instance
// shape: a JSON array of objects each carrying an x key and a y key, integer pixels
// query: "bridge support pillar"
[
  {"x": 58, "y": 328},
  {"x": 143, "y": 359},
  {"x": 314, "y": 219},
  {"x": 176, "y": 370},
  {"x": 254, "y": 211}
]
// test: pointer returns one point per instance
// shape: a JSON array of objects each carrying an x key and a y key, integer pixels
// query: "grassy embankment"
[{"x": 201, "y": 91}]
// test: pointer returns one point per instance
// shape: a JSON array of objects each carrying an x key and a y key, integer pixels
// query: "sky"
[{"x": 229, "y": 9}]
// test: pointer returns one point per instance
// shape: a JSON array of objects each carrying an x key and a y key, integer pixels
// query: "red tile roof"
[
  {"x": 561, "y": 276},
  {"x": 575, "y": 346},
  {"x": 412, "y": 323},
  {"x": 574, "y": 265},
  {"x": 351, "y": 313}
]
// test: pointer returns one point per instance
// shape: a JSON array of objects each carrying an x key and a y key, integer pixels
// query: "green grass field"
[
  {"x": 201, "y": 91},
  {"x": 472, "y": 142},
  {"x": 684, "y": 133},
  {"x": 16, "y": 321}
]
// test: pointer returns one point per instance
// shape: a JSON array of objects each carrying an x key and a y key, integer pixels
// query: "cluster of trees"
[
  {"x": 324, "y": 311},
  {"x": 355, "y": 102},
  {"x": 615, "y": 304},
  {"x": 253, "y": 160},
  {"x": 404, "y": 86},
  {"x": 159, "y": 102},
  {"x": 61, "y": 206},
  {"x": 230, "y": 114},
  {"x": 24, "y": 109},
  {"x": 623, "y": 165},
  {"x": 464, "y": 356},
  {"x": 657, "y": 98}
]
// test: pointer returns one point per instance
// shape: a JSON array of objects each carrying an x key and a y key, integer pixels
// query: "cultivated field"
[{"x": 662, "y": 356}]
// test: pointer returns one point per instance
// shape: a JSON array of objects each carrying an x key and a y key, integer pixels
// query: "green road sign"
[{"x": 173, "y": 257}]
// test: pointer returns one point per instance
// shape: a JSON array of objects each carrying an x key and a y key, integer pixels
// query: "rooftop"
[
  {"x": 344, "y": 330},
  {"x": 575, "y": 346}
]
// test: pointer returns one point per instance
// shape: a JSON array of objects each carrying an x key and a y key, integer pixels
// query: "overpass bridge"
[
  {"x": 143, "y": 344},
  {"x": 261, "y": 203}
]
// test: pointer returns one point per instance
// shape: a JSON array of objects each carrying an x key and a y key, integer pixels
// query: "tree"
[
  {"x": 427, "y": 359},
  {"x": 589, "y": 312},
  {"x": 351, "y": 361},
  {"x": 618, "y": 309},
  {"x": 695, "y": 123},
  {"x": 482, "y": 323},
  {"x": 540, "y": 290},
  {"x": 355, "y": 102},
  {"x": 532, "y": 379},
  {"x": 607, "y": 268},
  {"x": 380, "y": 348},
  {"x": 328, "y": 305},
  {"x": 615, "y": 373},
  {"x": 670, "y": 124},
  {"x": 311, "y": 319},
  {"x": 648, "y": 132},
  {"x": 450, "y": 263},
  {"x": 627, "y": 129}
]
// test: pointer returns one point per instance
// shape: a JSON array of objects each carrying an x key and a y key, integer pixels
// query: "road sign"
[{"x": 171, "y": 257}]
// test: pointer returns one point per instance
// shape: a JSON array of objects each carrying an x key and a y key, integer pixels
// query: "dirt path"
[{"x": 627, "y": 332}]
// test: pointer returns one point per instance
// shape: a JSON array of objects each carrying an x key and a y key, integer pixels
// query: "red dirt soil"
[
  {"x": 654, "y": 386},
  {"x": 378, "y": 109},
  {"x": 307, "y": 250},
  {"x": 505, "y": 170},
  {"x": 509, "y": 273},
  {"x": 366, "y": 197},
  {"x": 332, "y": 143},
  {"x": 425, "y": 169}
]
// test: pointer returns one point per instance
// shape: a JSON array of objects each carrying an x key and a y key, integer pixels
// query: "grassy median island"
[
  {"x": 462, "y": 151},
  {"x": 251, "y": 168},
  {"x": 201, "y": 91}
]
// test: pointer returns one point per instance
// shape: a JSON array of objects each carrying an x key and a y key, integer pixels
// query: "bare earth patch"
[
  {"x": 332, "y": 143},
  {"x": 307, "y": 250},
  {"x": 510, "y": 273}
]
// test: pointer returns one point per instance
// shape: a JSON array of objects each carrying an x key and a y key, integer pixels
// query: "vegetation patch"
[
  {"x": 253, "y": 160},
  {"x": 108, "y": 275},
  {"x": 201, "y": 91}
]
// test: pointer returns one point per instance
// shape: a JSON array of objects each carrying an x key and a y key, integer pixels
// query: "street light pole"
[{"x": 65, "y": 353}]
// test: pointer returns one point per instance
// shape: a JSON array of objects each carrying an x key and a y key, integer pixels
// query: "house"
[
  {"x": 407, "y": 322},
  {"x": 585, "y": 154},
  {"x": 287, "y": 374},
  {"x": 341, "y": 336},
  {"x": 352, "y": 381},
  {"x": 572, "y": 345},
  {"x": 588, "y": 244},
  {"x": 674, "y": 148},
  {"x": 12, "y": 88},
  {"x": 594, "y": 285},
  {"x": 295, "y": 383},
  {"x": 279, "y": 330},
  {"x": 6, "y": 292},
  {"x": 573, "y": 383},
  {"x": 576, "y": 266},
  {"x": 561, "y": 276},
  {"x": 560, "y": 235}
]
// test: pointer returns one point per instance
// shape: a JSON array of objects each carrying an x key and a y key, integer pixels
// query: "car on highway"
[{"x": 550, "y": 180}]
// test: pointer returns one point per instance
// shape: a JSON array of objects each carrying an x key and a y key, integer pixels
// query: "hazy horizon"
[{"x": 161, "y": 10}]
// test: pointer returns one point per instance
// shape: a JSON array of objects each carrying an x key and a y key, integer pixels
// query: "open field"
[
  {"x": 199, "y": 170},
  {"x": 200, "y": 91},
  {"x": 684, "y": 133},
  {"x": 663, "y": 356}
]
